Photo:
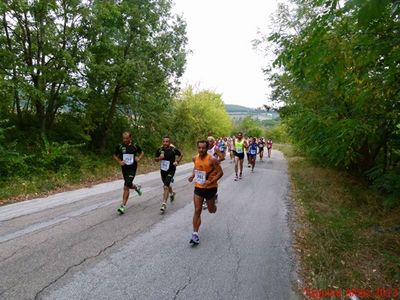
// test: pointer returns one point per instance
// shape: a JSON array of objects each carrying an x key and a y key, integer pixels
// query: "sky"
[{"x": 223, "y": 59}]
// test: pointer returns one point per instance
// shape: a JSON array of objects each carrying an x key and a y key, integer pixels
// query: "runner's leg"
[
  {"x": 125, "y": 195},
  {"x": 212, "y": 208},
  {"x": 165, "y": 194},
  {"x": 241, "y": 166},
  {"x": 197, "y": 201},
  {"x": 236, "y": 165}
]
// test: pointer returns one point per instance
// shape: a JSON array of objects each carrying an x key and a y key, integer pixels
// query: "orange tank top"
[{"x": 204, "y": 170}]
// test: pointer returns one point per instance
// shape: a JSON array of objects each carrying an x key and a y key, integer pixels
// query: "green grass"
[
  {"x": 346, "y": 237},
  {"x": 91, "y": 171}
]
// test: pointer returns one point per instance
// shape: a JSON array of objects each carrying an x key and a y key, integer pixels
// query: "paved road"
[{"x": 73, "y": 245}]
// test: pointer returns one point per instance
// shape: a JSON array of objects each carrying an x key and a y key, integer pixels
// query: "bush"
[
  {"x": 278, "y": 134},
  {"x": 388, "y": 183},
  {"x": 54, "y": 156},
  {"x": 10, "y": 159}
]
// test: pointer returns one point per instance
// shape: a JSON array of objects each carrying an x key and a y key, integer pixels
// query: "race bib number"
[
  {"x": 239, "y": 150},
  {"x": 128, "y": 159},
  {"x": 253, "y": 152},
  {"x": 165, "y": 165},
  {"x": 199, "y": 176}
]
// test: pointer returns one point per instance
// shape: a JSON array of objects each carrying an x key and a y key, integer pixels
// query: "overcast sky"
[{"x": 220, "y": 35}]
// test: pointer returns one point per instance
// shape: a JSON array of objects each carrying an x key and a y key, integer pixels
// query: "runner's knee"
[
  {"x": 197, "y": 210},
  {"x": 212, "y": 209}
]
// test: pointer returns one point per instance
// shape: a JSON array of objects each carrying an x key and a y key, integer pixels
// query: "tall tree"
[
  {"x": 338, "y": 67},
  {"x": 199, "y": 113},
  {"x": 135, "y": 55},
  {"x": 41, "y": 51}
]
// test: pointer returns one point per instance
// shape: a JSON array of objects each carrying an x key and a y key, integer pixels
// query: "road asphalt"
[{"x": 74, "y": 245}]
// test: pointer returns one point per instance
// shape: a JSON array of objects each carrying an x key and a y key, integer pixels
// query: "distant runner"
[
  {"x": 206, "y": 173},
  {"x": 169, "y": 157},
  {"x": 261, "y": 145},
  {"x": 239, "y": 145},
  {"x": 127, "y": 155},
  {"x": 269, "y": 147},
  {"x": 222, "y": 146},
  {"x": 253, "y": 153},
  {"x": 230, "y": 148},
  {"x": 214, "y": 151},
  {"x": 249, "y": 141}
]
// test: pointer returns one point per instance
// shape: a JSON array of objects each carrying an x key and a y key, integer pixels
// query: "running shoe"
[
  {"x": 195, "y": 240},
  {"x": 240, "y": 176},
  {"x": 163, "y": 207},
  {"x": 121, "y": 209},
  {"x": 236, "y": 178},
  {"x": 204, "y": 205},
  {"x": 139, "y": 189},
  {"x": 172, "y": 196}
]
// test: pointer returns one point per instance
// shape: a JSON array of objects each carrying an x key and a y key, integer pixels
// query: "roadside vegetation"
[
  {"x": 270, "y": 128},
  {"x": 75, "y": 74},
  {"x": 345, "y": 237},
  {"x": 337, "y": 73},
  {"x": 35, "y": 167}
]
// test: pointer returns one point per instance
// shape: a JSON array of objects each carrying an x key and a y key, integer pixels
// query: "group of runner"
[{"x": 205, "y": 174}]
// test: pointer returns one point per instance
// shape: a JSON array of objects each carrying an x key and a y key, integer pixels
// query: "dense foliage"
[
  {"x": 75, "y": 74},
  {"x": 199, "y": 114},
  {"x": 337, "y": 70},
  {"x": 80, "y": 71}
]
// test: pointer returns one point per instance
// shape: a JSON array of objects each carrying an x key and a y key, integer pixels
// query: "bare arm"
[
  {"x": 190, "y": 179},
  {"x": 217, "y": 166},
  {"x": 141, "y": 155},
  {"x": 178, "y": 160},
  {"x": 220, "y": 155},
  {"x": 120, "y": 162}
]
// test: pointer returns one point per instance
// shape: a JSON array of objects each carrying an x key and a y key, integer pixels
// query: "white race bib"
[
  {"x": 165, "y": 165},
  {"x": 128, "y": 159},
  {"x": 199, "y": 176},
  {"x": 253, "y": 152},
  {"x": 239, "y": 150}
]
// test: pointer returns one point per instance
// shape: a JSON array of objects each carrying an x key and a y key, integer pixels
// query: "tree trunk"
[
  {"x": 110, "y": 117},
  {"x": 15, "y": 81}
]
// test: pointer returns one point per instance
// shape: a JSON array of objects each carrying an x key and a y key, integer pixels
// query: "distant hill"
[
  {"x": 239, "y": 112},
  {"x": 237, "y": 108}
]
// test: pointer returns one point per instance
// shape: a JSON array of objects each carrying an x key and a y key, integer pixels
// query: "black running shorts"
[
  {"x": 240, "y": 155},
  {"x": 129, "y": 174},
  {"x": 205, "y": 193},
  {"x": 167, "y": 177}
]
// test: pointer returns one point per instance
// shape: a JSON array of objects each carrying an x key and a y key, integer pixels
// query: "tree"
[
  {"x": 40, "y": 50},
  {"x": 199, "y": 113},
  {"x": 337, "y": 71},
  {"x": 250, "y": 127},
  {"x": 135, "y": 56}
]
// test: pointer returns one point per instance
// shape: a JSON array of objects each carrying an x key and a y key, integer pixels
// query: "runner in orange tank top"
[{"x": 206, "y": 173}]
